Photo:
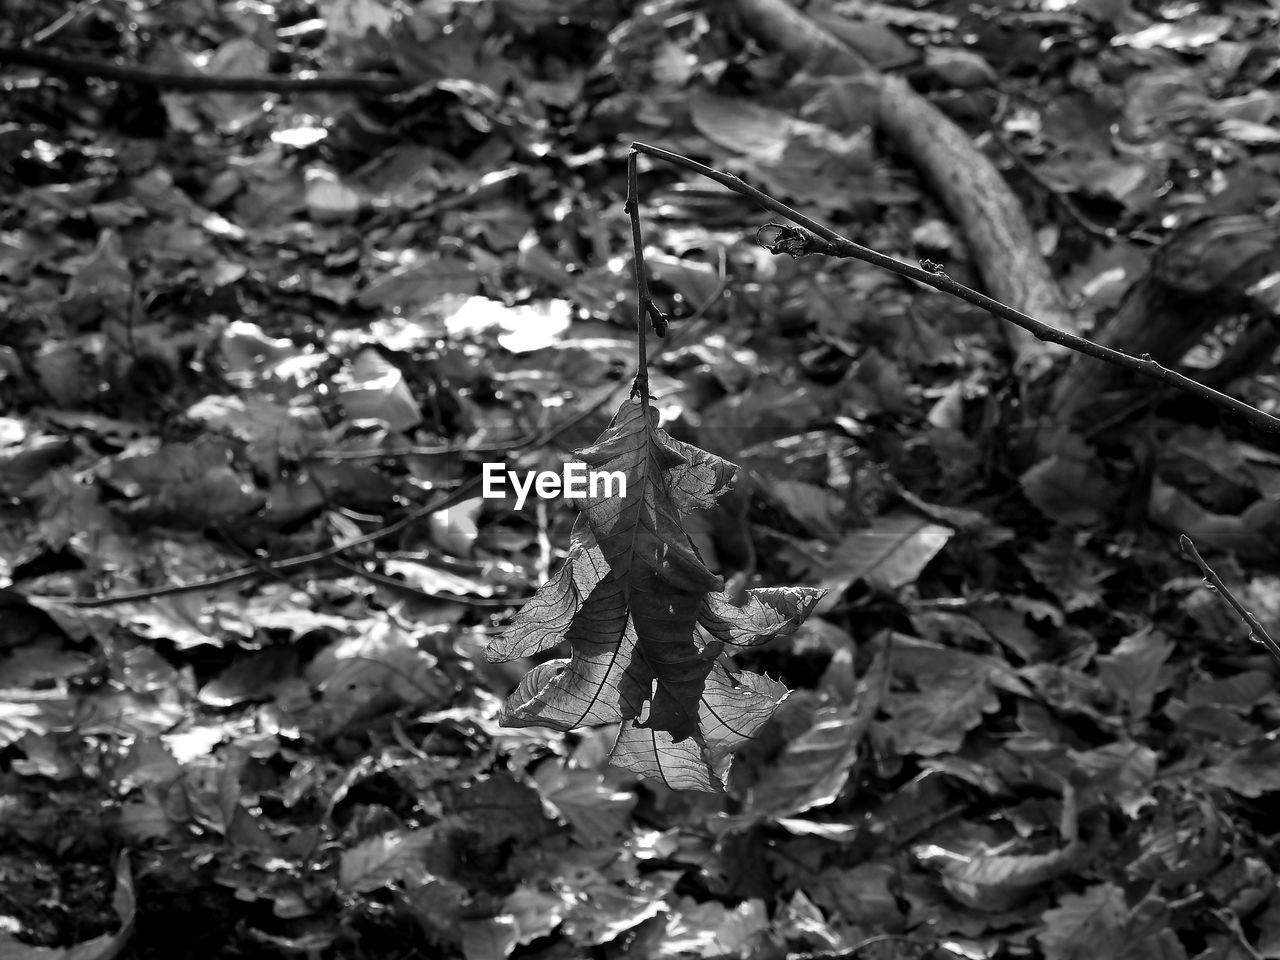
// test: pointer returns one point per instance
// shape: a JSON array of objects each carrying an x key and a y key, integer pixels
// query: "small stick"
[
  {"x": 1257, "y": 632},
  {"x": 67, "y": 66}
]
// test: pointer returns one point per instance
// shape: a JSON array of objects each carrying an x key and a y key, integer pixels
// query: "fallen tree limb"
[
  {"x": 171, "y": 80},
  {"x": 1000, "y": 238}
]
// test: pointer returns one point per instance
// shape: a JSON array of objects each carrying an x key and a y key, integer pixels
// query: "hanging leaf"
[{"x": 646, "y": 620}]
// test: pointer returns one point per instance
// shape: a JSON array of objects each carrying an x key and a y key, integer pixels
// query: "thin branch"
[
  {"x": 167, "y": 79},
  {"x": 46, "y": 33},
  {"x": 276, "y": 567},
  {"x": 272, "y": 568},
  {"x": 825, "y": 241},
  {"x": 405, "y": 586},
  {"x": 1257, "y": 632}
]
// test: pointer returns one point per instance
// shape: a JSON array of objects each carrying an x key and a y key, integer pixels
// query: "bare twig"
[
  {"x": 830, "y": 243},
  {"x": 277, "y": 567},
  {"x": 273, "y": 568},
  {"x": 170, "y": 80},
  {"x": 46, "y": 33},
  {"x": 405, "y": 587},
  {"x": 1257, "y": 632}
]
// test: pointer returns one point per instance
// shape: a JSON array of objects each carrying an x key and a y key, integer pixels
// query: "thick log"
[{"x": 1000, "y": 238}]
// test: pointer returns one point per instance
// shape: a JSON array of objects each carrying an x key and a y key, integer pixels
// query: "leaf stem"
[{"x": 645, "y": 307}]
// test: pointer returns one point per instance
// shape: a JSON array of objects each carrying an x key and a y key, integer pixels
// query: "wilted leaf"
[
  {"x": 959, "y": 68},
  {"x": 329, "y": 199},
  {"x": 438, "y": 905},
  {"x": 186, "y": 485},
  {"x": 1133, "y": 670},
  {"x": 1068, "y": 486},
  {"x": 799, "y": 919},
  {"x": 44, "y": 660},
  {"x": 1183, "y": 34},
  {"x": 596, "y": 811},
  {"x": 247, "y": 353},
  {"x": 816, "y": 507},
  {"x": 272, "y": 431},
  {"x": 102, "y": 947},
  {"x": 814, "y": 767},
  {"x": 394, "y": 857},
  {"x": 645, "y": 619},
  {"x": 146, "y": 761},
  {"x": 710, "y": 929},
  {"x": 380, "y": 669},
  {"x": 373, "y": 389},
  {"x": 58, "y": 366},
  {"x": 834, "y": 832},
  {"x": 25, "y": 464},
  {"x": 423, "y": 282},
  {"x": 536, "y": 913},
  {"x": 695, "y": 281},
  {"x": 1184, "y": 844},
  {"x": 434, "y": 581},
  {"x": 889, "y": 554},
  {"x": 605, "y": 910},
  {"x": 1073, "y": 573},
  {"x": 873, "y": 40},
  {"x": 1086, "y": 925},
  {"x": 1240, "y": 692},
  {"x": 251, "y": 677},
  {"x": 520, "y": 329},
  {"x": 954, "y": 689},
  {"x": 1124, "y": 770},
  {"x": 101, "y": 276},
  {"x": 862, "y": 894},
  {"x": 355, "y": 18},
  {"x": 527, "y": 914},
  {"x": 1248, "y": 535},
  {"x": 1250, "y": 772},
  {"x": 741, "y": 125},
  {"x": 490, "y": 939},
  {"x": 996, "y": 882}
]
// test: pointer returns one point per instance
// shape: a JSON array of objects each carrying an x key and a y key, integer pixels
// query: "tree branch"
[
  {"x": 170, "y": 80},
  {"x": 830, "y": 243}
]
